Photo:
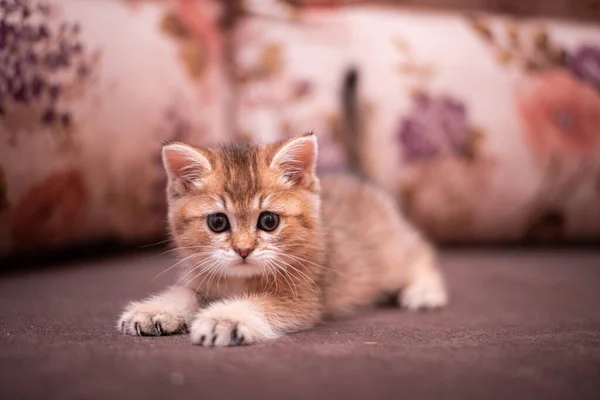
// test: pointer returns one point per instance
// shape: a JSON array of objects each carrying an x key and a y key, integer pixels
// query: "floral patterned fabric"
[
  {"x": 486, "y": 128},
  {"x": 88, "y": 92}
]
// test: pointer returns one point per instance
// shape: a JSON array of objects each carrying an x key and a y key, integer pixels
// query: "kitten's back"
[{"x": 371, "y": 248}]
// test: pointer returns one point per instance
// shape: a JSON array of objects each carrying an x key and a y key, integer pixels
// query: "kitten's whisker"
[
  {"x": 175, "y": 265},
  {"x": 293, "y": 288},
  {"x": 265, "y": 269},
  {"x": 162, "y": 253},
  {"x": 277, "y": 260},
  {"x": 211, "y": 269},
  {"x": 274, "y": 272},
  {"x": 199, "y": 274},
  {"x": 213, "y": 275},
  {"x": 307, "y": 279},
  {"x": 211, "y": 262},
  {"x": 221, "y": 272},
  {"x": 179, "y": 249},
  {"x": 208, "y": 268},
  {"x": 277, "y": 273},
  {"x": 274, "y": 275},
  {"x": 196, "y": 266},
  {"x": 220, "y": 278},
  {"x": 155, "y": 244},
  {"x": 166, "y": 252}
]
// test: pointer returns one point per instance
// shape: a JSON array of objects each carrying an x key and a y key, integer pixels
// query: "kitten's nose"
[{"x": 245, "y": 252}]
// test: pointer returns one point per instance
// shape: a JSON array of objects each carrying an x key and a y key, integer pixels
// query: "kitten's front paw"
[
  {"x": 150, "y": 319},
  {"x": 232, "y": 323}
]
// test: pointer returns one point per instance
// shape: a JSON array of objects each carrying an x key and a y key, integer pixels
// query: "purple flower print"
[
  {"x": 436, "y": 125},
  {"x": 585, "y": 64},
  {"x": 31, "y": 55}
]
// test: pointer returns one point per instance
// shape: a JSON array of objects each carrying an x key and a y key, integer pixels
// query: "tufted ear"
[
  {"x": 185, "y": 165},
  {"x": 296, "y": 159}
]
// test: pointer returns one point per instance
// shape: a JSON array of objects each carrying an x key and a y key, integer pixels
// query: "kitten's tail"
[
  {"x": 354, "y": 133},
  {"x": 352, "y": 123}
]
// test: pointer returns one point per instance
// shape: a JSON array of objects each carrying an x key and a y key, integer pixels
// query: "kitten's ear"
[
  {"x": 296, "y": 159},
  {"x": 185, "y": 165}
]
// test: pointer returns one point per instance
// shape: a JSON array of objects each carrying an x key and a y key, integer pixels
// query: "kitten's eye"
[
  {"x": 268, "y": 221},
  {"x": 218, "y": 222}
]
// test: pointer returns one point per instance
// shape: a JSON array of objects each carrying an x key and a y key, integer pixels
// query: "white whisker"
[
  {"x": 302, "y": 260},
  {"x": 274, "y": 275},
  {"x": 293, "y": 287},
  {"x": 211, "y": 269},
  {"x": 307, "y": 279},
  {"x": 196, "y": 266},
  {"x": 213, "y": 275},
  {"x": 176, "y": 264}
]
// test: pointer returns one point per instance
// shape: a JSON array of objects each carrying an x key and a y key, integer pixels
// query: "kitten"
[{"x": 269, "y": 249}]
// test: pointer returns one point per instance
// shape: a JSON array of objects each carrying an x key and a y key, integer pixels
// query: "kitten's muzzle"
[{"x": 244, "y": 252}]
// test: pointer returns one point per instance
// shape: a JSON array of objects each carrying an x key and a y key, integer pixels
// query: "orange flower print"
[
  {"x": 49, "y": 213},
  {"x": 561, "y": 115},
  {"x": 196, "y": 17}
]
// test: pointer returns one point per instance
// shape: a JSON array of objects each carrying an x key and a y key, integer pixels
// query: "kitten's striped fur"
[{"x": 339, "y": 245}]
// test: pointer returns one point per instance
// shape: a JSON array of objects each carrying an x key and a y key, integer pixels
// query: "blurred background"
[{"x": 481, "y": 117}]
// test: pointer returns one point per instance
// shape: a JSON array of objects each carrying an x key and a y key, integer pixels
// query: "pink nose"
[{"x": 244, "y": 252}]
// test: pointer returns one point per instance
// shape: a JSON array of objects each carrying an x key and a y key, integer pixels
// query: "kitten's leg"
[
  {"x": 424, "y": 287},
  {"x": 251, "y": 319},
  {"x": 166, "y": 313}
]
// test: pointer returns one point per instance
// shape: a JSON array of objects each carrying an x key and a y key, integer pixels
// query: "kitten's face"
[{"x": 243, "y": 210}]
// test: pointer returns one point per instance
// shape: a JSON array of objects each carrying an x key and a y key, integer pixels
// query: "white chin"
[{"x": 244, "y": 270}]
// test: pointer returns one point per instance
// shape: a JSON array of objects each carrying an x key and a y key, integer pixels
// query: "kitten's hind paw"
[
  {"x": 425, "y": 293},
  {"x": 147, "y": 319}
]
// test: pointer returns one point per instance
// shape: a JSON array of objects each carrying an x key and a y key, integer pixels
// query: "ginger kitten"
[{"x": 267, "y": 248}]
